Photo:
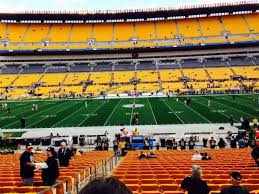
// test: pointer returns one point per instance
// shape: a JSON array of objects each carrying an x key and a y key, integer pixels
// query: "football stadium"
[{"x": 161, "y": 100}]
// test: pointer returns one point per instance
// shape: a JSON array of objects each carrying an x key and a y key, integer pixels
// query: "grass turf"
[{"x": 73, "y": 113}]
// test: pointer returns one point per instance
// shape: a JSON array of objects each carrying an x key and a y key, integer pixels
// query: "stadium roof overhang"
[{"x": 202, "y": 9}]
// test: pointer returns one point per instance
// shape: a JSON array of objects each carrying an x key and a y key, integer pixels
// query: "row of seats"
[
  {"x": 12, "y": 183},
  {"x": 31, "y": 35},
  {"x": 165, "y": 173}
]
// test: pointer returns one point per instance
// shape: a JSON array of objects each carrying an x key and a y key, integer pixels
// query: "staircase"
[
  {"x": 230, "y": 67},
  {"x": 206, "y": 71},
  {"x": 69, "y": 37},
  {"x": 248, "y": 27},
  {"x": 155, "y": 30},
  {"x": 180, "y": 68},
  {"x": 200, "y": 30},
  {"x": 24, "y": 35},
  {"x": 16, "y": 77},
  {"x": 159, "y": 77}
]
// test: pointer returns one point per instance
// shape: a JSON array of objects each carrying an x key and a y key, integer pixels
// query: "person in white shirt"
[{"x": 197, "y": 155}]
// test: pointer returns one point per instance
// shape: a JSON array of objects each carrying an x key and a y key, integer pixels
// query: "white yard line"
[{"x": 152, "y": 111}]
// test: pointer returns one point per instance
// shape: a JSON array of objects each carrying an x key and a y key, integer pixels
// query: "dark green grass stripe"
[
  {"x": 221, "y": 109},
  {"x": 205, "y": 112},
  {"x": 245, "y": 102},
  {"x": 162, "y": 113},
  {"x": 31, "y": 117},
  {"x": 77, "y": 115},
  {"x": 172, "y": 110},
  {"x": 14, "y": 122},
  {"x": 121, "y": 115},
  {"x": 186, "y": 113},
  {"x": 59, "y": 114},
  {"x": 236, "y": 106},
  {"x": 101, "y": 115}
]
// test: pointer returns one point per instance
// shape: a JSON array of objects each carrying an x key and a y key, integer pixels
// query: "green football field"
[{"x": 108, "y": 112}]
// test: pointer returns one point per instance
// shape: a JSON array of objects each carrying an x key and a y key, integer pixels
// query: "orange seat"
[
  {"x": 169, "y": 187},
  {"x": 149, "y": 187}
]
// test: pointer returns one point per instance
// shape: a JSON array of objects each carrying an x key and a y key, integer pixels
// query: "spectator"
[
  {"x": 255, "y": 122},
  {"x": 50, "y": 171},
  {"x": 255, "y": 155},
  {"x": 246, "y": 123},
  {"x": 64, "y": 155},
  {"x": 242, "y": 122},
  {"x": 169, "y": 144},
  {"x": 212, "y": 143},
  {"x": 135, "y": 132},
  {"x": 174, "y": 144},
  {"x": 26, "y": 167},
  {"x": 99, "y": 143},
  {"x": 142, "y": 155},
  {"x": 105, "y": 144},
  {"x": 182, "y": 144},
  {"x": 191, "y": 143},
  {"x": 205, "y": 141},
  {"x": 122, "y": 146},
  {"x": 146, "y": 144},
  {"x": 231, "y": 120},
  {"x": 109, "y": 185},
  {"x": 115, "y": 146},
  {"x": 151, "y": 155},
  {"x": 221, "y": 143},
  {"x": 157, "y": 146},
  {"x": 197, "y": 155},
  {"x": 233, "y": 142},
  {"x": 194, "y": 184},
  {"x": 235, "y": 188},
  {"x": 241, "y": 143},
  {"x": 206, "y": 156}
]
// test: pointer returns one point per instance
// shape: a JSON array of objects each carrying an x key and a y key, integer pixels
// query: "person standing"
[
  {"x": 255, "y": 154},
  {"x": 194, "y": 184},
  {"x": 50, "y": 170},
  {"x": 22, "y": 121},
  {"x": 64, "y": 155},
  {"x": 236, "y": 179},
  {"x": 182, "y": 144},
  {"x": 212, "y": 143},
  {"x": 191, "y": 143},
  {"x": 26, "y": 167},
  {"x": 222, "y": 143},
  {"x": 174, "y": 144}
]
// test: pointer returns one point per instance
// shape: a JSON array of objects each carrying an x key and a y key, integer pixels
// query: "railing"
[{"x": 99, "y": 169}]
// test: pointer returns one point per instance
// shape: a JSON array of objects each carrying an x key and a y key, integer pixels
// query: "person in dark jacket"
[
  {"x": 50, "y": 170},
  {"x": 191, "y": 143},
  {"x": 182, "y": 144},
  {"x": 64, "y": 155},
  {"x": 255, "y": 155},
  {"x": 222, "y": 143},
  {"x": 235, "y": 187},
  {"x": 194, "y": 184},
  {"x": 26, "y": 167}
]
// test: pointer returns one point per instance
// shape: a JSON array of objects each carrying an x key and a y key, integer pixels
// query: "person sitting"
[
  {"x": 255, "y": 154},
  {"x": 151, "y": 155},
  {"x": 222, "y": 143},
  {"x": 233, "y": 142},
  {"x": 109, "y": 185},
  {"x": 197, "y": 155},
  {"x": 135, "y": 132},
  {"x": 194, "y": 184},
  {"x": 236, "y": 179},
  {"x": 241, "y": 143},
  {"x": 142, "y": 155},
  {"x": 206, "y": 156}
]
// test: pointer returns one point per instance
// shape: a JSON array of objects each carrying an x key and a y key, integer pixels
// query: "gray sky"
[{"x": 19, "y": 5}]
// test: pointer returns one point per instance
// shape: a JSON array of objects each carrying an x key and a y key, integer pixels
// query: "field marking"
[
  {"x": 112, "y": 112},
  {"x": 217, "y": 112},
  {"x": 172, "y": 111},
  {"x": 241, "y": 105},
  {"x": 14, "y": 110},
  {"x": 91, "y": 114},
  {"x": 70, "y": 115},
  {"x": 195, "y": 112},
  {"x": 152, "y": 110},
  {"x": 47, "y": 118},
  {"x": 34, "y": 114},
  {"x": 132, "y": 110}
]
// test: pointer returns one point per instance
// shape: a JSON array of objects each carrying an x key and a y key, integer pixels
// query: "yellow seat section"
[
  {"x": 81, "y": 32},
  {"x": 17, "y": 93},
  {"x": 97, "y": 89},
  {"x": 198, "y": 85},
  {"x": 172, "y": 86},
  {"x": 252, "y": 20},
  {"x": 53, "y": 78},
  {"x": 16, "y": 32},
  {"x": 215, "y": 40},
  {"x": 166, "y": 29},
  {"x": 195, "y": 74},
  {"x": 123, "y": 31},
  {"x": 76, "y": 78},
  {"x": 46, "y": 91},
  {"x": 101, "y": 77},
  {"x": 170, "y": 75},
  {"x": 123, "y": 76},
  {"x": 2, "y": 30},
  {"x": 145, "y": 30},
  {"x": 103, "y": 32},
  {"x": 210, "y": 26},
  {"x": 188, "y": 28},
  {"x": 247, "y": 72},
  {"x": 148, "y": 87},
  {"x": 119, "y": 89},
  {"x": 75, "y": 89},
  {"x": 123, "y": 45},
  {"x": 220, "y": 73},
  {"x": 59, "y": 32},
  {"x": 147, "y": 76},
  {"x": 6, "y": 80},
  {"x": 234, "y": 24},
  {"x": 27, "y": 80},
  {"x": 36, "y": 33}
]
